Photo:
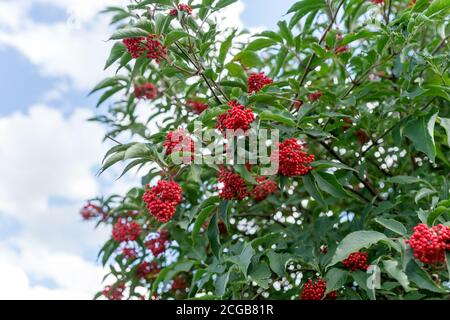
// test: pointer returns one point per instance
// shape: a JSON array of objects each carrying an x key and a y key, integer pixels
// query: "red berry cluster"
[
  {"x": 179, "y": 284},
  {"x": 149, "y": 45},
  {"x": 158, "y": 245},
  {"x": 340, "y": 48},
  {"x": 256, "y": 81},
  {"x": 124, "y": 230},
  {"x": 129, "y": 253},
  {"x": 234, "y": 187},
  {"x": 315, "y": 290},
  {"x": 298, "y": 104},
  {"x": 430, "y": 244},
  {"x": 315, "y": 96},
  {"x": 263, "y": 188},
  {"x": 182, "y": 7},
  {"x": 178, "y": 141},
  {"x": 145, "y": 91},
  {"x": 378, "y": 1},
  {"x": 237, "y": 117},
  {"x": 114, "y": 292},
  {"x": 292, "y": 160},
  {"x": 90, "y": 211},
  {"x": 356, "y": 260},
  {"x": 197, "y": 106},
  {"x": 146, "y": 269},
  {"x": 162, "y": 199}
]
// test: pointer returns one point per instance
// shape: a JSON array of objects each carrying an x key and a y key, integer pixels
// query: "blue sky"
[{"x": 51, "y": 54}]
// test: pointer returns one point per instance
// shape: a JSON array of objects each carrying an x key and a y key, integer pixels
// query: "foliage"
[{"x": 377, "y": 122}]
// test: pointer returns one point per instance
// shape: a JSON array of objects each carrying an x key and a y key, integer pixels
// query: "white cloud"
[
  {"x": 73, "y": 277},
  {"x": 44, "y": 155},
  {"x": 74, "y": 48}
]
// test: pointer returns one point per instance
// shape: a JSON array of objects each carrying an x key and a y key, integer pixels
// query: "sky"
[{"x": 51, "y": 55}]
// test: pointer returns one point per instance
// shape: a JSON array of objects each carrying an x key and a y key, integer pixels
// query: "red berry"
[
  {"x": 129, "y": 253},
  {"x": 182, "y": 7},
  {"x": 147, "y": 269},
  {"x": 257, "y": 81},
  {"x": 291, "y": 159},
  {"x": 197, "y": 106},
  {"x": 314, "y": 96},
  {"x": 162, "y": 199},
  {"x": 234, "y": 187},
  {"x": 114, "y": 292},
  {"x": 237, "y": 117},
  {"x": 157, "y": 245},
  {"x": 315, "y": 290},
  {"x": 430, "y": 244},
  {"x": 150, "y": 45},
  {"x": 178, "y": 141},
  {"x": 179, "y": 284},
  {"x": 356, "y": 260},
  {"x": 145, "y": 91},
  {"x": 90, "y": 211},
  {"x": 263, "y": 188},
  {"x": 124, "y": 230}
]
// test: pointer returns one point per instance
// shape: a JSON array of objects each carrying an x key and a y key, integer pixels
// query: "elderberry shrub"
[{"x": 357, "y": 206}]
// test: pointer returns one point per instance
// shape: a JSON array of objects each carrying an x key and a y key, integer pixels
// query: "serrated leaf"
[
  {"x": 393, "y": 225},
  {"x": 421, "y": 132},
  {"x": 327, "y": 182},
  {"x": 354, "y": 242},
  {"x": 174, "y": 36},
  {"x": 335, "y": 279},
  {"x": 129, "y": 32},
  {"x": 392, "y": 268},
  {"x": 117, "y": 51}
]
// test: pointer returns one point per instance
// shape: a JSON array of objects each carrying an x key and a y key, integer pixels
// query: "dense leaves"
[{"x": 360, "y": 87}]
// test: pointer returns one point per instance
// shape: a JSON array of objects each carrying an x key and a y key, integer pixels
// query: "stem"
[{"x": 308, "y": 64}]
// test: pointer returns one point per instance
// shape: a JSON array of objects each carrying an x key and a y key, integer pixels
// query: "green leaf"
[
  {"x": 245, "y": 258},
  {"x": 320, "y": 164},
  {"x": 392, "y": 225},
  {"x": 422, "y": 193},
  {"x": 117, "y": 51},
  {"x": 260, "y": 43},
  {"x": 392, "y": 268},
  {"x": 327, "y": 182},
  {"x": 311, "y": 188},
  {"x": 129, "y": 32},
  {"x": 286, "y": 32},
  {"x": 201, "y": 218},
  {"x": 109, "y": 82},
  {"x": 223, "y": 3},
  {"x": 248, "y": 59},
  {"x": 284, "y": 118},
  {"x": 276, "y": 262},
  {"x": 213, "y": 235},
  {"x": 244, "y": 173},
  {"x": 261, "y": 274},
  {"x": 335, "y": 279},
  {"x": 108, "y": 94},
  {"x": 354, "y": 242},
  {"x": 225, "y": 47},
  {"x": 445, "y": 123},
  {"x": 363, "y": 34},
  {"x": 447, "y": 262},
  {"x": 417, "y": 275},
  {"x": 436, "y": 213},
  {"x": 421, "y": 132},
  {"x": 408, "y": 180},
  {"x": 138, "y": 150},
  {"x": 174, "y": 36},
  {"x": 221, "y": 283}
]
